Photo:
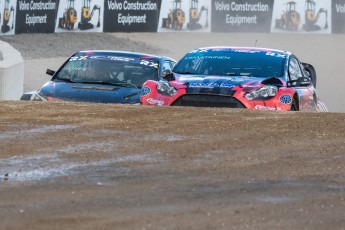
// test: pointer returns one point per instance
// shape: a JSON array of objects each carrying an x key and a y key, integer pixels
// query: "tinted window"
[
  {"x": 108, "y": 68},
  {"x": 294, "y": 69},
  {"x": 232, "y": 62},
  {"x": 168, "y": 65}
]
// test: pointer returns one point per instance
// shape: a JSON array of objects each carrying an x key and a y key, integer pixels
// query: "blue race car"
[{"x": 102, "y": 76}]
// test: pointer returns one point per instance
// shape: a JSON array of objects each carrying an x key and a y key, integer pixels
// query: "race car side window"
[
  {"x": 167, "y": 65},
  {"x": 172, "y": 63},
  {"x": 295, "y": 71}
]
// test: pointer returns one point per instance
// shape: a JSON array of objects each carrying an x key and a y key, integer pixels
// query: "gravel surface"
[{"x": 87, "y": 166}]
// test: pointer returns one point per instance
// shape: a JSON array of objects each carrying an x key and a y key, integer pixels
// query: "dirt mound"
[{"x": 82, "y": 166}]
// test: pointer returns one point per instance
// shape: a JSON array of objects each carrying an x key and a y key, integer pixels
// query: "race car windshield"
[
  {"x": 108, "y": 69},
  {"x": 232, "y": 63}
]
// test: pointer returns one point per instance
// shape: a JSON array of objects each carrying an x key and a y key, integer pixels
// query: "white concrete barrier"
[{"x": 11, "y": 73}]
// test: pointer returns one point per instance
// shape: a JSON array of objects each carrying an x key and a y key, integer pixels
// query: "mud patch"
[
  {"x": 33, "y": 131},
  {"x": 47, "y": 166},
  {"x": 274, "y": 199}
]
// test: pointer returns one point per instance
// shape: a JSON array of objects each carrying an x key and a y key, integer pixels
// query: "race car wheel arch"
[{"x": 294, "y": 104}]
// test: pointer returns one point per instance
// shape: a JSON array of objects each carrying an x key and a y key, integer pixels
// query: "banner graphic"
[
  {"x": 80, "y": 16},
  {"x": 223, "y": 16},
  {"x": 301, "y": 16},
  {"x": 131, "y": 15},
  {"x": 338, "y": 16},
  {"x": 185, "y": 15},
  {"x": 7, "y": 21},
  {"x": 36, "y": 16},
  {"x": 241, "y": 15}
]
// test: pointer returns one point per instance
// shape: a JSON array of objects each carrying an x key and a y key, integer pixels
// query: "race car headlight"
[
  {"x": 262, "y": 93},
  {"x": 165, "y": 88}
]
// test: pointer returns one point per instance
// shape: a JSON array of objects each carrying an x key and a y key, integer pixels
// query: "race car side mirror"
[
  {"x": 50, "y": 72},
  {"x": 165, "y": 72},
  {"x": 310, "y": 71},
  {"x": 168, "y": 75},
  {"x": 303, "y": 81}
]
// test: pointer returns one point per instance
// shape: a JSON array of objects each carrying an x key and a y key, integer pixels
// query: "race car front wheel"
[{"x": 294, "y": 106}]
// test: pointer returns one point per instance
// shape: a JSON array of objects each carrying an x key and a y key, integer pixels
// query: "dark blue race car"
[{"x": 102, "y": 76}]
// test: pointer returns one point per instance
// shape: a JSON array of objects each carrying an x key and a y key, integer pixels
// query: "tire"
[
  {"x": 282, "y": 24},
  {"x": 175, "y": 24},
  {"x": 166, "y": 23},
  {"x": 294, "y": 105}
]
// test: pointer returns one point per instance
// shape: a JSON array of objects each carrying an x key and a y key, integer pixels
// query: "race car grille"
[{"x": 208, "y": 101}]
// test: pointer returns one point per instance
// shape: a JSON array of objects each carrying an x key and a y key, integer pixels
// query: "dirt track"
[{"x": 88, "y": 166}]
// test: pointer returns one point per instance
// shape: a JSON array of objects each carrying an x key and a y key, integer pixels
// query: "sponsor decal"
[
  {"x": 224, "y": 85},
  {"x": 113, "y": 58},
  {"x": 210, "y": 85},
  {"x": 208, "y": 57},
  {"x": 203, "y": 85},
  {"x": 250, "y": 86},
  {"x": 152, "y": 101},
  {"x": 285, "y": 99},
  {"x": 217, "y": 78},
  {"x": 75, "y": 68},
  {"x": 149, "y": 63},
  {"x": 262, "y": 107},
  {"x": 245, "y": 51},
  {"x": 145, "y": 90},
  {"x": 274, "y": 54},
  {"x": 80, "y": 58}
]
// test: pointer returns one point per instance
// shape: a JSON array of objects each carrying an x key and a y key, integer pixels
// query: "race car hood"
[
  {"x": 96, "y": 93},
  {"x": 221, "y": 85}
]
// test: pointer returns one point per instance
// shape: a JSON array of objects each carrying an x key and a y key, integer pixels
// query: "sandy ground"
[{"x": 87, "y": 166}]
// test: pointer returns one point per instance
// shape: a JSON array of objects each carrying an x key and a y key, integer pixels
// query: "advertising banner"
[
  {"x": 306, "y": 16},
  {"x": 80, "y": 16},
  {"x": 185, "y": 15},
  {"x": 131, "y": 15},
  {"x": 249, "y": 16},
  {"x": 7, "y": 20},
  {"x": 241, "y": 15},
  {"x": 338, "y": 16},
  {"x": 36, "y": 16}
]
